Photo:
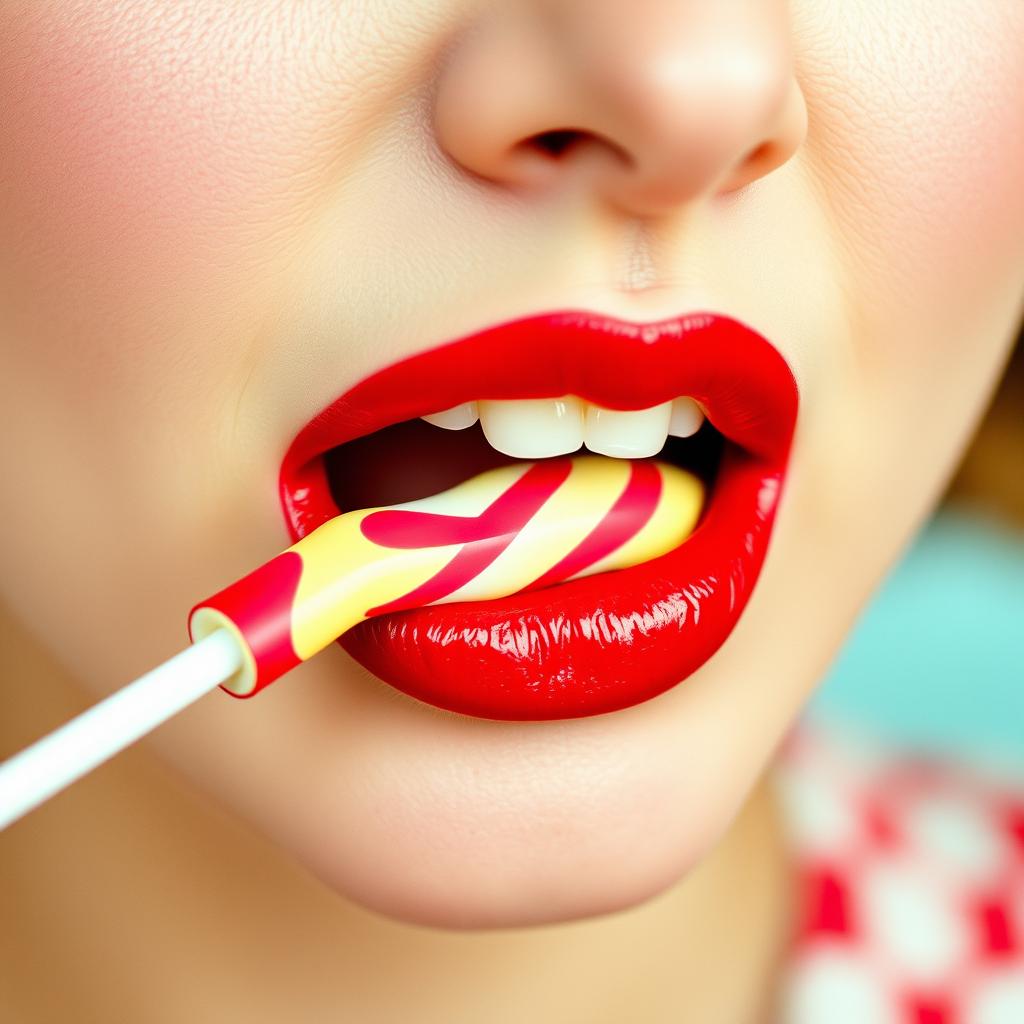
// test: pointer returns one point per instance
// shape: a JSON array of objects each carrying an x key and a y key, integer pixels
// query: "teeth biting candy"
[{"x": 511, "y": 529}]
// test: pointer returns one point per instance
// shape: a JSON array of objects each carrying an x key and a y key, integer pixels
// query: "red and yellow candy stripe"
[{"x": 510, "y": 529}]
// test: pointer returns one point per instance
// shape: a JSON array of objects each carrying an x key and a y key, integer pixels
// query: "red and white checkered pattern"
[{"x": 911, "y": 883}]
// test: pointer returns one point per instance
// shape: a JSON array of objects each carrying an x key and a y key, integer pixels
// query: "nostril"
[
  {"x": 758, "y": 152},
  {"x": 555, "y": 142},
  {"x": 754, "y": 165},
  {"x": 759, "y": 157}
]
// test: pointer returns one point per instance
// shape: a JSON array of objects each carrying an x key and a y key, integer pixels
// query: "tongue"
[{"x": 407, "y": 461}]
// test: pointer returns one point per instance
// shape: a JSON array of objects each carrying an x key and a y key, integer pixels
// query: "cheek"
[
  {"x": 142, "y": 184},
  {"x": 916, "y": 156},
  {"x": 148, "y": 158},
  {"x": 161, "y": 158},
  {"x": 916, "y": 134},
  {"x": 161, "y": 162}
]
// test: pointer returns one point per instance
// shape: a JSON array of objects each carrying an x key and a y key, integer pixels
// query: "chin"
[
  {"x": 584, "y": 825},
  {"x": 449, "y": 875},
  {"x": 552, "y": 896}
]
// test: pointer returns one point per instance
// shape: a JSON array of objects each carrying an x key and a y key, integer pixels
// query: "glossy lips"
[{"x": 607, "y": 641}]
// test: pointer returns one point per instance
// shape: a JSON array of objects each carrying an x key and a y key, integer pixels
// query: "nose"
[{"x": 651, "y": 104}]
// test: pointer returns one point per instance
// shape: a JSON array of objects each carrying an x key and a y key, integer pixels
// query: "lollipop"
[{"x": 515, "y": 528}]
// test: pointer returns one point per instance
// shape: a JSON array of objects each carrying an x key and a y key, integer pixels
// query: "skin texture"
[{"x": 220, "y": 215}]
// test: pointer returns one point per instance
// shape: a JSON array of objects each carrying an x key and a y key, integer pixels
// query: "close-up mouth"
[{"x": 702, "y": 391}]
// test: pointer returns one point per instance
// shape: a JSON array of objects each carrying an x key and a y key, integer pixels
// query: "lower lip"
[{"x": 593, "y": 645}]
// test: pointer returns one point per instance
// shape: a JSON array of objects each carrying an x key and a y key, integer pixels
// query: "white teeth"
[
  {"x": 629, "y": 433},
  {"x": 458, "y": 417},
  {"x": 533, "y": 428},
  {"x": 687, "y": 417},
  {"x": 537, "y": 428}
]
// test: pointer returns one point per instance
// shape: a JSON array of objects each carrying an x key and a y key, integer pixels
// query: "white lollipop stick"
[{"x": 68, "y": 753}]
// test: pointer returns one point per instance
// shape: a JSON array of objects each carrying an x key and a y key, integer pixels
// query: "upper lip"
[{"x": 613, "y": 363}]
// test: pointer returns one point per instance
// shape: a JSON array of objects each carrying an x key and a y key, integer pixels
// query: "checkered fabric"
[{"x": 910, "y": 867}]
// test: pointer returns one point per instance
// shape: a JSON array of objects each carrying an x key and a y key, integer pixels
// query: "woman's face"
[{"x": 218, "y": 217}]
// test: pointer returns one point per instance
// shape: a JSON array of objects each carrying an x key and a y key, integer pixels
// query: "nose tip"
[{"x": 648, "y": 103}]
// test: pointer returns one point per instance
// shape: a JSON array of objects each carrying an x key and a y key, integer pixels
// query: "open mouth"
[{"x": 704, "y": 392}]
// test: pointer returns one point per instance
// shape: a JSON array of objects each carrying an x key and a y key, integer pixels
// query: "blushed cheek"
[
  {"x": 160, "y": 156},
  {"x": 915, "y": 153},
  {"x": 953, "y": 150},
  {"x": 919, "y": 141}
]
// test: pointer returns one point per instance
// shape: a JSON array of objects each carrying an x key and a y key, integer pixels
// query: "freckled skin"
[{"x": 218, "y": 216}]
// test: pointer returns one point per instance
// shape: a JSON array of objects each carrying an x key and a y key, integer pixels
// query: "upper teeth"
[
  {"x": 530, "y": 428},
  {"x": 455, "y": 418}
]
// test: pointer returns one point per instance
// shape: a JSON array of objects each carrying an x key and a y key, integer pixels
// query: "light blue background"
[{"x": 937, "y": 659}]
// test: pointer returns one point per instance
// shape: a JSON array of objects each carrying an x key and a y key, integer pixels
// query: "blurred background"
[{"x": 937, "y": 659}]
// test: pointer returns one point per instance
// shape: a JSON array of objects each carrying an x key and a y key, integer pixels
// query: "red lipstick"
[{"x": 607, "y": 641}]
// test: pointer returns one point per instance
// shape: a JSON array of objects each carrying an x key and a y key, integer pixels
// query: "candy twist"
[{"x": 515, "y": 528}]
